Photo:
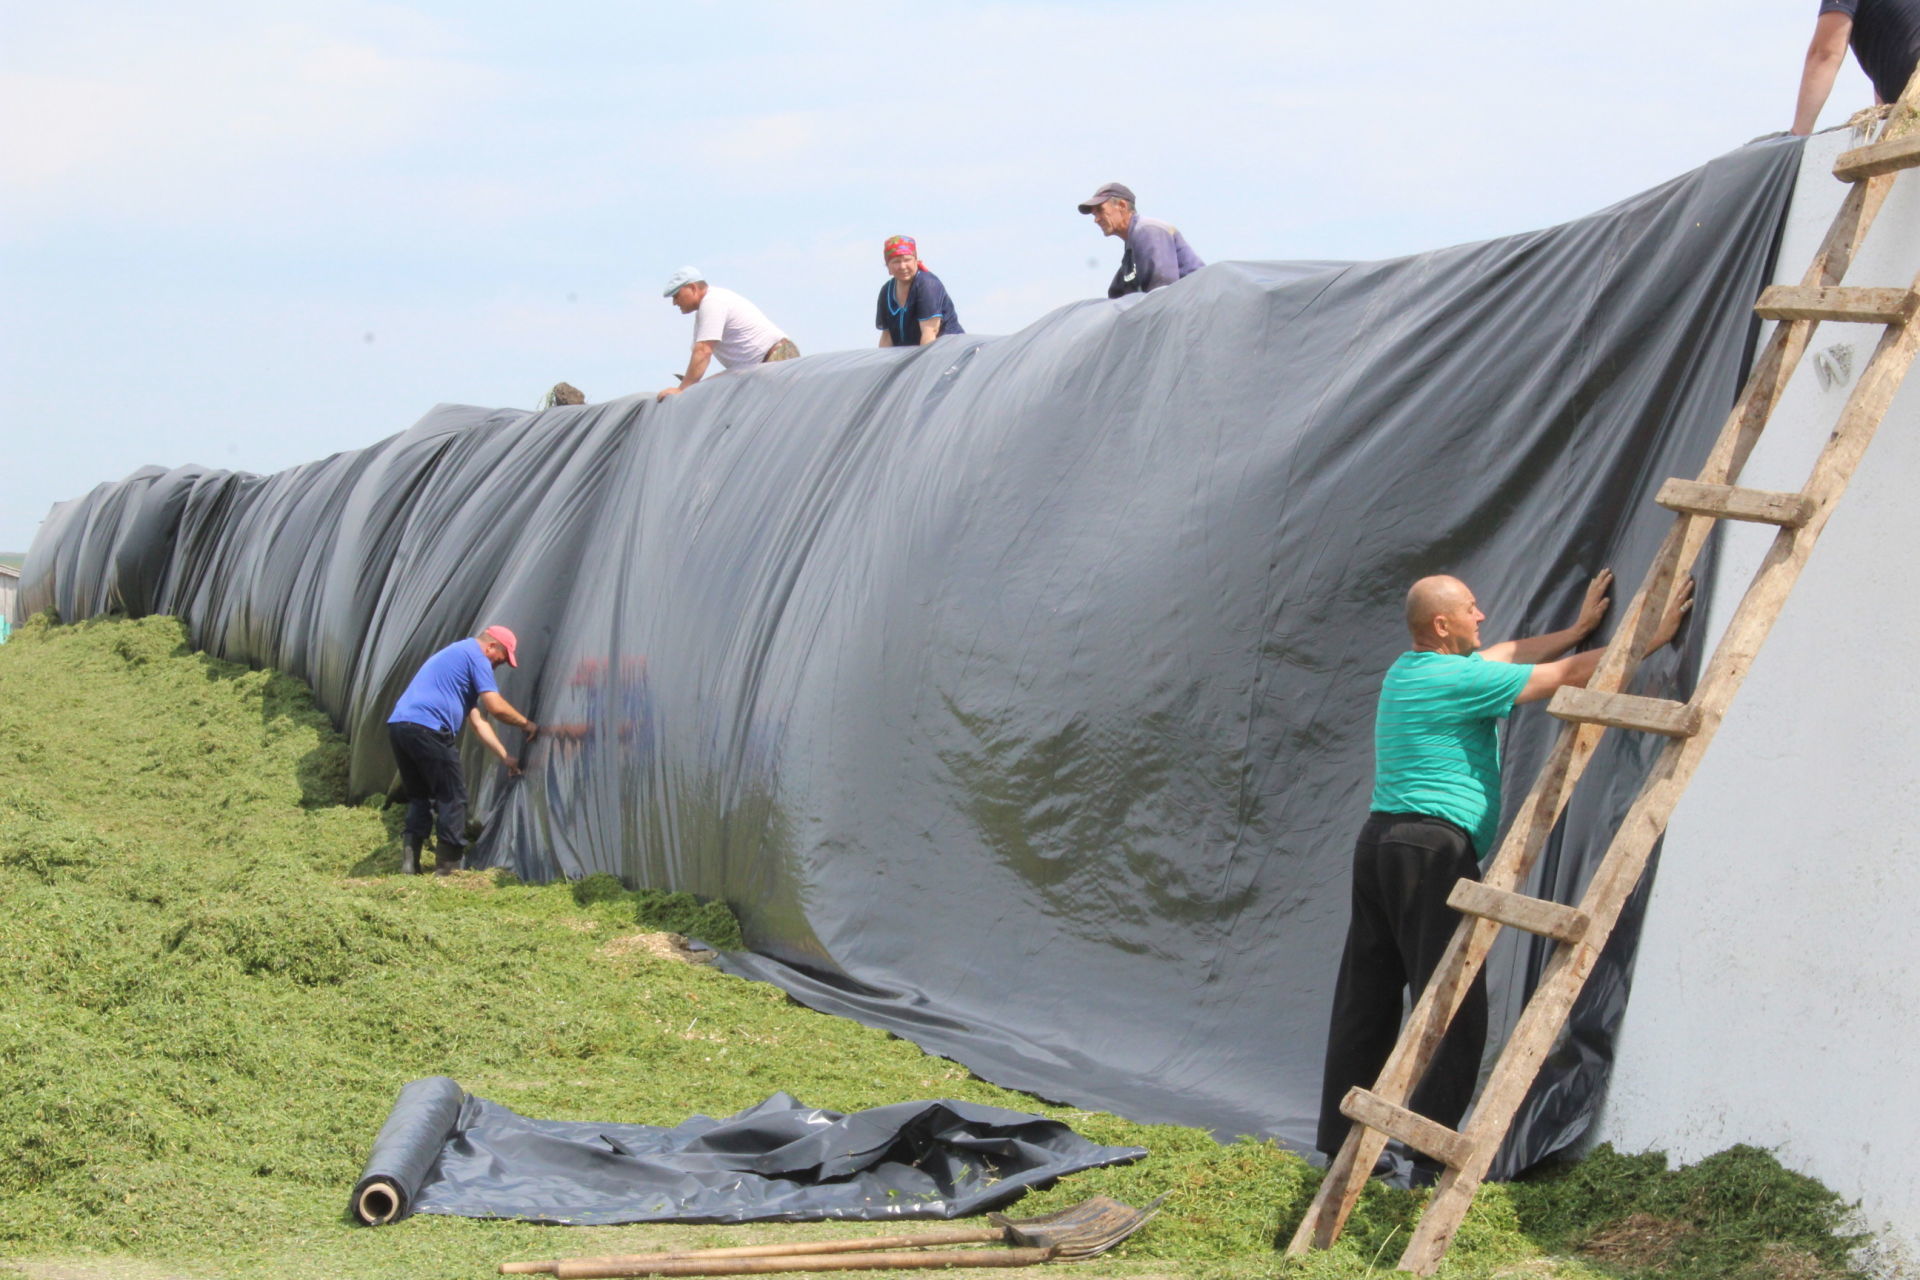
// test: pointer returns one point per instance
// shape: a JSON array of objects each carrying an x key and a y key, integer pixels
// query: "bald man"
[{"x": 1435, "y": 809}]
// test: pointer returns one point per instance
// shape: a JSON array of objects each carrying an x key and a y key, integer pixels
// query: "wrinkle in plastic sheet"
[{"x": 1017, "y": 692}]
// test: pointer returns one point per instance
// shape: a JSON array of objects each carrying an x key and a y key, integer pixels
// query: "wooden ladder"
[{"x": 1381, "y": 1113}]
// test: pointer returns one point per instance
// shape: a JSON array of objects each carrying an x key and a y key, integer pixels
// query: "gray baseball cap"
[
  {"x": 1112, "y": 191},
  {"x": 682, "y": 278}
]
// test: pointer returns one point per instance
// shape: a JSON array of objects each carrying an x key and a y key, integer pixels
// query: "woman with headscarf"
[{"x": 914, "y": 306}]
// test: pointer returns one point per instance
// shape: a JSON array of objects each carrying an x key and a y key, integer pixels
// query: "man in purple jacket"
[
  {"x": 452, "y": 686},
  {"x": 1156, "y": 254}
]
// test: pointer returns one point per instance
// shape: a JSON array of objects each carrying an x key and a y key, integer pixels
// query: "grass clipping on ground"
[{"x": 207, "y": 1018}]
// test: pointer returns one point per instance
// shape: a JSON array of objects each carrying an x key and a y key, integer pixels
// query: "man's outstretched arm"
[
  {"x": 1824, "y": 56},
  {"x": 696, "y": 369},
  {"x": 500, "y": 709},
  {"x": 489, "y": 739},
  {"x": 1544, "y": 648}
]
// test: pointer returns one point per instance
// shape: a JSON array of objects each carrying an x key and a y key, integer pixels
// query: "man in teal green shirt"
[{"x": 1435, "y": 809}]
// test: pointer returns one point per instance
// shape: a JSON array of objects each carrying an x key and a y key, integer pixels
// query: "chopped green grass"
[{"x": 207, "y": 1017}]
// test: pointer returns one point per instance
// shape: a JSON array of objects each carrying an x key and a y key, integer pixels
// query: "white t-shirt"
[{"x": 743, "y": 334}]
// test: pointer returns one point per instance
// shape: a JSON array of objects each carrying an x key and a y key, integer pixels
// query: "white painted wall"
[{"x": 1776, "y": 1000}]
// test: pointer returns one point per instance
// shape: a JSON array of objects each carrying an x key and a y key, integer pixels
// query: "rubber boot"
[
  {"x": 410, "y": 856},
  {"x": 446, "y": 865}
]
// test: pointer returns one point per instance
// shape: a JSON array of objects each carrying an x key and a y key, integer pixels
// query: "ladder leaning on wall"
[{"x": 1381, "y": 1113}]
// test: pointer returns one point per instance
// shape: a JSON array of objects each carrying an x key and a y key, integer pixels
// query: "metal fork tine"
[{"x": 1086, "y": 1230}]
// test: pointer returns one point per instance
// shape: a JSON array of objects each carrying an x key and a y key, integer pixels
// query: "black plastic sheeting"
[
  {"x": 442, "y": 1150},
  {"x": 1017, "y": 692}
]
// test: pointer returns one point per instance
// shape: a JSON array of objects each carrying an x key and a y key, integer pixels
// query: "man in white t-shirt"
[{"x": 725, "y": 325}]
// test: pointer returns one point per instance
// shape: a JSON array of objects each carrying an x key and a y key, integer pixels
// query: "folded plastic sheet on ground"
[
  {"x": 443, "y": 1150},
  {"x": 1017, "y": 692}
]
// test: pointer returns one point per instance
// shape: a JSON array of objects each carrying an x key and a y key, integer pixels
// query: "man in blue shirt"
[
  {"x": 451, "y": 686},
  {"x": 1156, "y": 254},
  {"x": 1434, "y": 812}
]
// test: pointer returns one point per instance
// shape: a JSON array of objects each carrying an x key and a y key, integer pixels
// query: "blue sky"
[{"x": 250, "y": 235}]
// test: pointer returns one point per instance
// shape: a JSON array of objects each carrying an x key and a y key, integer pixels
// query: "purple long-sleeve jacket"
[{"x": 1156, "y": 255}]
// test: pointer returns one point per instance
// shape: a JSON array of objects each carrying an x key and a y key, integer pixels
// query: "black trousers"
[
  {"x": 430, "y": 770},
  {"x": 1404, "y": 866}
]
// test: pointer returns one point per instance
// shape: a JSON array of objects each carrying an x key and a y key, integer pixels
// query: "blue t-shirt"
[
  {"x": 926, "y": 300},
  {"x": 1436, "y": 749},
  {"x": 446, "y": 688}
]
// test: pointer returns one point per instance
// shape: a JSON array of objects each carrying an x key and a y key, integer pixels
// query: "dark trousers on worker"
[
  {"x": 1404, "y": 866},
  {"x": 429, "y": 761}
]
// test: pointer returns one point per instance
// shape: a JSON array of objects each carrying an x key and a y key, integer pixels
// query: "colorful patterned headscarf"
[{"x": 897, "y": 245}]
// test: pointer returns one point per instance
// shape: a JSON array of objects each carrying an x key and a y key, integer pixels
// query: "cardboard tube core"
[{"x": 379, "y": 1202}]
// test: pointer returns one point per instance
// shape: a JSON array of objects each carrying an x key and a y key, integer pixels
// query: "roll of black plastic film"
[{"x": 423, "y": 1118}]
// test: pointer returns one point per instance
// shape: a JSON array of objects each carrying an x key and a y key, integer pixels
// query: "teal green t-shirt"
[{"x": 1435, "y": 746}]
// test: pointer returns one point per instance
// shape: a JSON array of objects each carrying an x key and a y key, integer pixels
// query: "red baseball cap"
[{"x": 507, "y": 641}]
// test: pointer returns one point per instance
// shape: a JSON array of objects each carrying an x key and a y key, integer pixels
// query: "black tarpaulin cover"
[
  {"x": 444, "y": 1151},
  {"x": 1017, "y": 692}
]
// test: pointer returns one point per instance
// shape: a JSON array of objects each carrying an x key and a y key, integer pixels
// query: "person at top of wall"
[
  {"x": 1885, "y": 35},
  {"x": 914, "y": 308},
  {"x": 1156, "y": 254},
  {"x": 725, "y": 325}
]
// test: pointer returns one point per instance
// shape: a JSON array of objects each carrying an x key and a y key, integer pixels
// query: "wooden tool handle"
[
  {"x": 910, "y": 1259},
  {"x": 860, "y": 1244}
]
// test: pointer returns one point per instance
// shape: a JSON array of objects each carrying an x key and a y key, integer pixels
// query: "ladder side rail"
[
  {"x": 1625, "y": 862},
  {"x": 1766, "y": 383},
  {"x": 1780, "y": 355},
  {"x": 1759, "y": 608}
]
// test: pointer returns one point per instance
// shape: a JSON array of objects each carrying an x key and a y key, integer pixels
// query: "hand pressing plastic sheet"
[{"x": 444, "y": 1151}]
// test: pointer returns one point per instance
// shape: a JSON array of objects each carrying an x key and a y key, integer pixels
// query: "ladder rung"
[
  {"x": 1814, "y": 302},
  {"x": 1877, "y": 158},
  {"x": 1448, "y": 1146},
  {"x": 1626, "y": 711},
  {"x": 1730, "y": 502},
  {"x": 1517, "y": 910}
]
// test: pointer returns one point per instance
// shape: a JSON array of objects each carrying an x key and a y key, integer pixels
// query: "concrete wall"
[{"x": 1776, "y": 999}]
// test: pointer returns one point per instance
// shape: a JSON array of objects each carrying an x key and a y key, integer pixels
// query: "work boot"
[
  {"x": 446, "y": 866},
  {"x": 410, "y": 856}
]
